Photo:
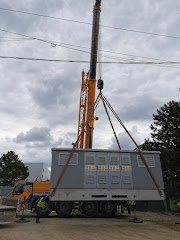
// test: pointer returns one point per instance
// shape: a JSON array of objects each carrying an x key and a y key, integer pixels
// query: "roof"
[{"x": 104, "y": 150}]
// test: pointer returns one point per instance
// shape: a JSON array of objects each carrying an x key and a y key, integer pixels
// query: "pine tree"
[
  {"x": 12, "y": 169},
  {"x": 166, "y": 139}
]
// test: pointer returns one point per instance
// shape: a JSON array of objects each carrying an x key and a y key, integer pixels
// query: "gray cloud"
[
  {"x": 125, "y": 141},
  {"x": 35, "y": 134}
]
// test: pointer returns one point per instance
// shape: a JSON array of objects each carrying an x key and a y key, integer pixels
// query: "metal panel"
[
  {"x": 89, "y": 170},
  {"x": 73, "y": 177},
  {"x": 126, "y": 171},
  {"x": 141, "y": 177},
  {"x": 102, "y": 170},
  {"x": 125, "y": 159},
  {"x": 114, "y": 170}
]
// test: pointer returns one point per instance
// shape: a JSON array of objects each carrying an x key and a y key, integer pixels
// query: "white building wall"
[{"x": 37, "y": 170}]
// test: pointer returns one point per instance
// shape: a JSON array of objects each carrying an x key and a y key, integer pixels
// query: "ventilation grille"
[
  {"x": 126, "y": 180},
  {"x": 63, "y": 157},
  {"x": 115, "y": 179},
  {"x": 149, "y": 159},
  {"x": 101, "y": 161},
  {"x": 126, "y": 160},
  {"x": 90, "y": 179},
  {"x": 102, "y": 179},
  {"x": 90, "y": 160},
  {"x": 114, "y": 161}
]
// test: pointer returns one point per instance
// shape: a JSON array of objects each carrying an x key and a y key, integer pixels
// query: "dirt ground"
[{"x": 155, "y": 226}]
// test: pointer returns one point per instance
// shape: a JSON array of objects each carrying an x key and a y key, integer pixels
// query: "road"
[{"x": 155, "y": 226}]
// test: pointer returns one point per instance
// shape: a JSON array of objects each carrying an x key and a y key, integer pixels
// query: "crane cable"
[
  {"x": 138, "y": 148},
  {"x": 75, "y": 145},
  {"x": 111, "y": 124}
]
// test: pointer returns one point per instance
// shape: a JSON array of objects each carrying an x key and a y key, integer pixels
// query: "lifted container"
[{"x": 97, "y": 181}]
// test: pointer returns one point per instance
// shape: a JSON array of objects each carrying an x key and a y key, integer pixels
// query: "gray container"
[{"x": 105, "y": 175}]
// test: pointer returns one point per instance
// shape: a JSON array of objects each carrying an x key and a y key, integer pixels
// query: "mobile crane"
[{"x": 97, "y": 181}]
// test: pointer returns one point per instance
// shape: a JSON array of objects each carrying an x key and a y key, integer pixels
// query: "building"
[{"x": 37, "y": 171}]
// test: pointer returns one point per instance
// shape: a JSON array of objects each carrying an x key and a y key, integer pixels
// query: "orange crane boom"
[{"x": 88, "y": 87}]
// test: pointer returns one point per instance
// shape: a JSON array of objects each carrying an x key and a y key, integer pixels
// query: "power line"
[
  {"x": 86, "y": 61},
  {"x": 45, "y": 16},
  {"x": 71, "y": 46},
  {"x": 65, "y": 46},
  {"x": 82, "y": 22},
  {"x": 118, "y": 53},
  {"x": 14, "y": 40},
  {"x": 5, "y": 37},
  {"x": 43, "y": 40}
]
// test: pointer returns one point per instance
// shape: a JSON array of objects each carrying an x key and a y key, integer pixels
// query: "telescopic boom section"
[{"x": 92, "y": 76}]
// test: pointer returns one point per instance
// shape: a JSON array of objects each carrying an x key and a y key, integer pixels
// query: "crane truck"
[
  {"x": 97, "y": 181},
  {"x": 26, "y": 194}
]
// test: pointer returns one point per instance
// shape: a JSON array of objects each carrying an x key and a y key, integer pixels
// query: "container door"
[
  {"x": 126, "y": 171},
  {"x": 102, "y": 170},
  {"x": 114, "y": 171},
  {"x": 90, "y": 170}
]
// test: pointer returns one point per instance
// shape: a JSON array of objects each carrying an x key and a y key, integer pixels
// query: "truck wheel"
[
  {"x": 108, "y": 209},
  {"x": 88, "y": 209},
  {"x": 63, "y": 209}
]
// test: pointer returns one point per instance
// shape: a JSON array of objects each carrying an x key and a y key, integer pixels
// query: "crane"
[
  {"x": 86, "y": 110},
  {"x": 88, "y": 86}
]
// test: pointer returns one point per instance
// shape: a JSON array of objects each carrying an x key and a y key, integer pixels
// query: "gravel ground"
[{"x": 155, "y": 226}]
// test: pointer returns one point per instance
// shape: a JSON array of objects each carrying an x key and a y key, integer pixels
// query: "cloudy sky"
[{"x": 39, "y": 101}]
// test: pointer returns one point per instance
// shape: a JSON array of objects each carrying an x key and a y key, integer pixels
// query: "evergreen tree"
[
  {"x": 12, "y": 169},
  {"x": 166, "y": 139}
]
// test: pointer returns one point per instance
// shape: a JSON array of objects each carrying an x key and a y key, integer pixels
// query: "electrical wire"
[
  {"x": 82, "y": 47},
  {"x": 85, "y": 61},
  {"x": 71, "y": 47},
  {"x": 43, "y": 40},
  {"x": 13, "y": 40},
  {"x": 54, "y": 44},
  {"x": 82, "y": 22}
]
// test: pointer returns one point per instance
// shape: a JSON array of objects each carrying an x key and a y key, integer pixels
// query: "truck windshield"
[{"x": 20, "y": 188}]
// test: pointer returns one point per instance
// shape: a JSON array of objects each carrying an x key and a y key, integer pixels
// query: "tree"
[
  {"x": 12, "y": 169},
  {"x": 166, "y": 139}
]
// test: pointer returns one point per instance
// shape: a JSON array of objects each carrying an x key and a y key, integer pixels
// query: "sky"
[{"x": 39, "y": 101}]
